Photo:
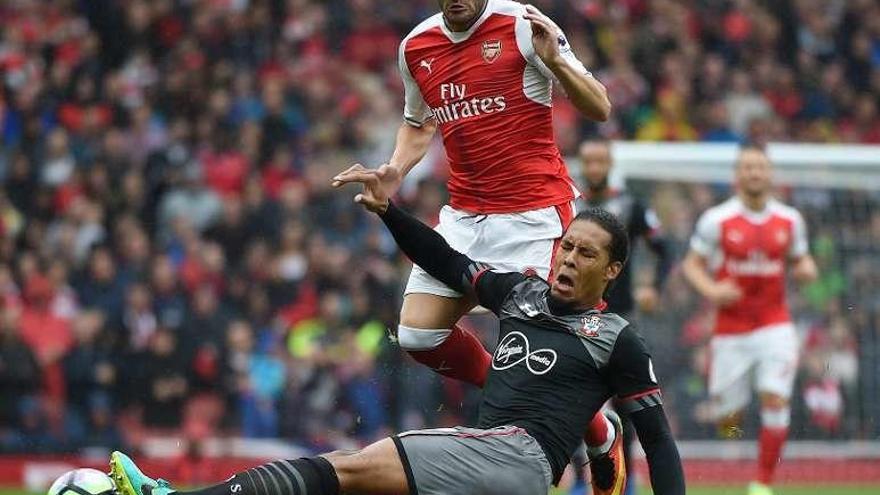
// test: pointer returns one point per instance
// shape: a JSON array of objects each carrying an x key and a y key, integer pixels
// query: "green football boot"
[{"x": 130, "y": 480}]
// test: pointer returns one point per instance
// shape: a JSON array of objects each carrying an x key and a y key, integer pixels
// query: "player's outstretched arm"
[
  {"x": 631, "y": 375},
  {"x": 420, "y": 243},
  {"x": 412, "y": 144},
  {"x": 427, "y": 248},
  {"x": 664, "y": 462},
  {"x": 587, "y": 94}
]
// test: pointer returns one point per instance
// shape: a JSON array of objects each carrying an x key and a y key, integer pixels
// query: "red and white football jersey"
[
  {"x": 751, "y": 248},
  {"x": 491, "y": 97}
]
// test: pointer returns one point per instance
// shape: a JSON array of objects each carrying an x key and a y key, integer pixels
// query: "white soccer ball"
[{"x": 83, "y": 481}]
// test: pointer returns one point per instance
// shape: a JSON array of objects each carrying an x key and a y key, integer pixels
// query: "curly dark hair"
[{"x": 619, "y": 247}]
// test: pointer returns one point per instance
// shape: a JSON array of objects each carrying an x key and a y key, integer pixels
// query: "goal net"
[{"x": 836, "y": 402}]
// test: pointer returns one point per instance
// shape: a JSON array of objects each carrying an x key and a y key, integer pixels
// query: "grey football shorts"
[{"x": 470, "y": 461}]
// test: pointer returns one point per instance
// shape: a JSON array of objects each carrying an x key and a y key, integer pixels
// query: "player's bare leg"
[
  {"x": 775, "y": 418},
  {"x": 429, "y": 333},
  {"x": 421, "y": 310},
  {"x": 374, "y": 469}
]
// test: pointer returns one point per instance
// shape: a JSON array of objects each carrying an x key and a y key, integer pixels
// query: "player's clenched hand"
[
  {"x": 374, "y": 197},
  {"x": 725, "y": 292},
  {"x": 545, "y": 36}
]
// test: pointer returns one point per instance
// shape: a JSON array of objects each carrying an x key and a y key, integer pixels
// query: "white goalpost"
[
  {"x": 810, "y": 165},
  {"x": 847, "y": 179}
]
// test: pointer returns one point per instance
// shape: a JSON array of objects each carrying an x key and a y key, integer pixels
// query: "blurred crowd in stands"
[{"x": 173, "y": 260}]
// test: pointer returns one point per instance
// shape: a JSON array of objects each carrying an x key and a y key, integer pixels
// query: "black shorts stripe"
[{"x": 407, "y": 468}]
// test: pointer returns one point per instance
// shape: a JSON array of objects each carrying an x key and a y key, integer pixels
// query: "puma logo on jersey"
[{"x": 426, "y": 64}]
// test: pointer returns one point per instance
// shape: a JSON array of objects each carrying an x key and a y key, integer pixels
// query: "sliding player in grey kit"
[{"x": 559, "y": 358}]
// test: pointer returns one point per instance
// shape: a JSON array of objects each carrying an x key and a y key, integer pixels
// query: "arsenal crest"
[
  {"x": 491, "y": 50},
  {"x": 781, "y": 236}
]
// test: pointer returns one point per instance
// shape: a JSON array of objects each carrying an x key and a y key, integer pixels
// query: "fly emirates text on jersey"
[{"x": 456, "y": 106}]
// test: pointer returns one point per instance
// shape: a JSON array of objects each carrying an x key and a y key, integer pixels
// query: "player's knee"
[
  {"x": 773, "y": 401},
  {"x": 348, "y": 464},
  {"x": 775, "y": 411},
  {"x": 430, "y": 311},
  {"x": 312, "y": 474},
  {"x": 421, "y": 339}
]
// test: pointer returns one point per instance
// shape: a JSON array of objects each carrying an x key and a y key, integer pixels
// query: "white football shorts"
[
  {"x": 509, "y": 242},
  {"x": 766, "y": 358}
]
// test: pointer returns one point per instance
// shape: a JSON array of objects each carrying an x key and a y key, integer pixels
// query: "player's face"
[
  {"x": 460, "y": 14},
  {"x": 582, "y": 265},
  {"x": 595, "y": 164},
  {"x": 753, "y": 173}
]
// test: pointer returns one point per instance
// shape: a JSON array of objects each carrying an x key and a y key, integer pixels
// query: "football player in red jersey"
[
  {"x": 737, "y": 260},
  {"x": 482, "y": 72}
]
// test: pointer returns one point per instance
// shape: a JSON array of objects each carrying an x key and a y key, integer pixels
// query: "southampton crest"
[{"x": 591, "y": 327}]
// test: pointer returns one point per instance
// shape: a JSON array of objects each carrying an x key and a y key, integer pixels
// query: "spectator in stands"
[
  {"x": 102, "y": 286},
  {"x": 20, "y": 373},
  {"x": 48, "y": 336},
  {"x": 255, "y": 380},
  {"x": 89, "y": 367},
  {"x": 102, "y": 427},
  {"x": 164, "y": 378}
]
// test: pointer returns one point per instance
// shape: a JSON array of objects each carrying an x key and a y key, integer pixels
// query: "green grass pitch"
[
  {"x": 696, "y": 490},
  {"x": 783, "y": 490}
]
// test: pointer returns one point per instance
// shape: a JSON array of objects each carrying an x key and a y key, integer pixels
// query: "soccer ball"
[{"x": 83, "y": 482}]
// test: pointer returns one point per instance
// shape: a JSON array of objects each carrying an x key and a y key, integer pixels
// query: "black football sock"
[{"x": 304, "y": 476}]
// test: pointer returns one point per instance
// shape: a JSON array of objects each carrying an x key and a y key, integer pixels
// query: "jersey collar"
[
  {"x": 459, "y": 36},
  {"x": 752, "y": 215},
  {"x": 563, "y": 311}
]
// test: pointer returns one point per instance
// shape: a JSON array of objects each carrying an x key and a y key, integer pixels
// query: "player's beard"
[
  {"x": 560, "y": 307},
  {"x": 459, "y": 21},
  {"x": 598, "y": 188}
]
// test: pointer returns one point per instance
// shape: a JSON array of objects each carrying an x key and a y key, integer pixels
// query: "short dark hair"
[
  {"x": 749, "y": 146},
  {"x": 618, "y": 250}
]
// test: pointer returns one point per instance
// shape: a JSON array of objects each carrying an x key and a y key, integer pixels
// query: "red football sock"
[
  {"x": 770, "y": 445},
  {"x": 597, "y": 431},
  {"x": 461, "y": 356}
]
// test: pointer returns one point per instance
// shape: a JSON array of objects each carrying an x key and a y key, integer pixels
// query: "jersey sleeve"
[
  {"x": 415, "y": 110},
  {"x": 645, "y": 222},
  {"x": 706, "y": 236},
  {"x": 799, "y": 243},
  {"x": 631, "y": 373},
  {"x": 491, "y": 287},
  {"x": 524, "y": 40}
]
